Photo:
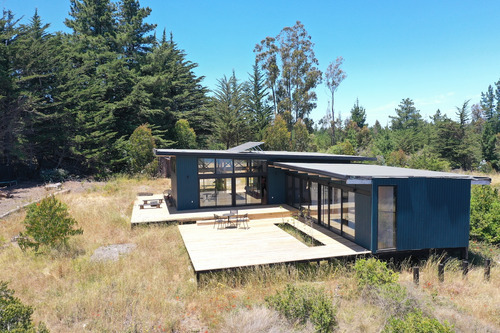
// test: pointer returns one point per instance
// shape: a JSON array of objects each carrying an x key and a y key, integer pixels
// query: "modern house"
[{"x": 383, "y": 209}]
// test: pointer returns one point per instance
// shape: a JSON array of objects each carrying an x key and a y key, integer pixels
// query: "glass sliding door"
[
  {"x": 207, "y": 192},
  {"x": 336, "y": 210},
  {"x": 325, "y": 200},
  {"x": 348, "y": 214},
  {"x": 314, "y": 203},
  {"x": 224, "y": 191},
  {"x": 253, "y": 191},
  {"x": 240, "y": 186},
  {"x": 386, "y": 217}
]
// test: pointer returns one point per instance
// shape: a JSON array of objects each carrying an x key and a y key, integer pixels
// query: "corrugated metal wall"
[
  {"x": 431, "y": 213},
  {"x": 363, "y": 220},
  {"x": 276, "y": 186},
  {"x": 187, "y": 180}
]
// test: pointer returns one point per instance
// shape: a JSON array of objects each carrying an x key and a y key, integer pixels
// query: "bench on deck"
[
  {"x": 152, "y": 203},
  {"x": 8, "y": 183}
]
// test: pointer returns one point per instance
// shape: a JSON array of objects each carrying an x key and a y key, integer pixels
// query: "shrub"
[
  {"x": 374, "y": 272},
  {"x": 485, "y": 214},
  {"x": 14, "y": 315},
  {"x": 305, "y": 303},
  {"x": 54, "y": 175},
  {"x": 47, "y": 224},
  {"x": 416, "y": 322},
  {"x": 140, "y": 147}
]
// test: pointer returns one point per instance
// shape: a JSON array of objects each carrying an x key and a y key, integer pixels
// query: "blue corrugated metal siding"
[
  {"x": 276, "y": 186},
  {"x": 173, "y": 179},
  {"x": 431, "y": 213},
  {"x": 363, "y": 220},
  {"x": 187, "y": 182}
]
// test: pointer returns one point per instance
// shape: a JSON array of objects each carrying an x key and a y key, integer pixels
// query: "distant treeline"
[{"x": 72, "y": 100}]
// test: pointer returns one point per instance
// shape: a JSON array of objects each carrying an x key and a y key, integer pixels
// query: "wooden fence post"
[
  {"x": 441, "y": 272},
  {"x": 465, "y": 267},
  {"x": 416, "y": 275},
  {"x": 487, "y": 269}
]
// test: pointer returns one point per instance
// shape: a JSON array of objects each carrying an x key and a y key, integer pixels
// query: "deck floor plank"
[{"x": 263, "y": 243}]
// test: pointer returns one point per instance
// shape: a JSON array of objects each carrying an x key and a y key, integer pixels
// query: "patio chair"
[
  {"x": 219, "y": 221},
  {"x": 243, "y": 220}
]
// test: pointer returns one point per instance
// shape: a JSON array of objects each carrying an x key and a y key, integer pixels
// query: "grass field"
[{"x": 153, "y": 289}]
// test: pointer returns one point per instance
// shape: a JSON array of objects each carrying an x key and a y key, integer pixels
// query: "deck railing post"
[
  {"x": 487, "y": 269},
  {"x": 441, "y": 272},
  {"x": 416, "y": 275}
]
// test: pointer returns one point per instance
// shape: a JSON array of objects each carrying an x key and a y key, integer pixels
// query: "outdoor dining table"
[{"x": 229, "y": 223}]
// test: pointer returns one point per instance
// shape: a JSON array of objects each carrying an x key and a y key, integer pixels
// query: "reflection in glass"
[
  {"x": 206, "y": 165},
  {"x": 289, "y": 190},
  {"x": 313, "y": 206},
  {"x": 253, "y": 191},
  {"x": 259, "y": 166},
  {"x": 349, "y": 210},
  {"x": 296, "y": 192},
  {"x": 240, "y": 190},
  {"x": 324, "y": 205},
  {"x": 223, "y": 188},
  {"x": 386, "y": 217},
  {"x": 306, "y": 195},
  {"x": 241, "y": 166},
  {"x": 335, "y": 209},
  {"x": 207, "y": 192},
  {"x": 224, "y": 165}
]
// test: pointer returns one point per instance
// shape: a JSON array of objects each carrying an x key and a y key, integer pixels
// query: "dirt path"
[{"x": 28, "y": 192}]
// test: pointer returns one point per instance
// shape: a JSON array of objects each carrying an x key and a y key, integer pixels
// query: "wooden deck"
[
  {"x": 166, "y": 214},
  {"x": 263, "y": 243}
]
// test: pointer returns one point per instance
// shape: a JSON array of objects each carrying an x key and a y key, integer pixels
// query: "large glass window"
[
  {"x": 224, "y": 191},
  {"x": 253, "y": 191},
  {"x": 324, "y": 205},
  {"x": 241, "y": 166},
  {"x": 296, "y": 192},
  {"x": 207, "y": 192},
  {"x": 313, "y": 206},
  {"x": 206, "y": 166},
  {"x": 224, "y": 165},
  {"x": 289, "y": 190},
  {"x": 386, "y": 217},
  {"x": 349, "y": 213},
  {"x": 259, "y": 166},
  {"x": 240, "y": 190},
  {"x": 335, "y": 209}
]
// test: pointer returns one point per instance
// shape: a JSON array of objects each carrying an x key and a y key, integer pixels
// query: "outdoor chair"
[
  {"x": 243, "y": 220},
  {"x": 219, "y": 221}
]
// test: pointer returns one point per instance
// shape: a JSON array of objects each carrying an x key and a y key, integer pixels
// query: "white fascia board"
[{"x": 357, "y": 181}]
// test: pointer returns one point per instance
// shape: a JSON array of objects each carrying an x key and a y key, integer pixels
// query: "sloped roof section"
[
  {"x": 357, "y": 172},
  {"x": 248, "y": 146}
]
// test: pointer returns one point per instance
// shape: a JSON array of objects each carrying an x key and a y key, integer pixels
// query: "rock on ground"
[{"x": 112, "y": 252}]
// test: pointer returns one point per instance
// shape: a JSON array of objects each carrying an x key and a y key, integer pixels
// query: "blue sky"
[{"x": 438, "y": 53}]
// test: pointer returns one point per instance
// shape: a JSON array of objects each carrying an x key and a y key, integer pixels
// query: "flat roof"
[
  {"x": 369, "y": 171},
  {"x": 260, "y": 154}
]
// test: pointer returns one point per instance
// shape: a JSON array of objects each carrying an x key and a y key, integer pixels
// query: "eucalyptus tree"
[
  {"x": 291, "y": 70},
  {"x": 334, "y": 75}
]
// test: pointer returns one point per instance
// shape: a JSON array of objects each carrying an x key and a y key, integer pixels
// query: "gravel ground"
[{"x": 28, "y": 192}]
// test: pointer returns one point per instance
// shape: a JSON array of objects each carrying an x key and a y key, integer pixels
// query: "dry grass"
[{"x": 153, "y": 289}]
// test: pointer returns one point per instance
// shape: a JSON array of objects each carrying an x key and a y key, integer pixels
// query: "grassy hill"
[{"x": 153, "y": 289}]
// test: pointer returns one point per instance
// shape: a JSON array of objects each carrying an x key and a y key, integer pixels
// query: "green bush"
[
  {"x": 374, "y": 272},
  {"x": 140, "y": 147},
  {"x": 305, "y": 303},
  {"x": 416, "y": 322},
  {"x": 485, "y": 214},
  {"x": 48, "y": 224},
  {"x": 54, "y": 175},
  {"x": 14, "y": 315}
]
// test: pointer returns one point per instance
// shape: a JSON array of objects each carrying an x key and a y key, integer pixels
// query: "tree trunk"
[{"x": 333, "y": 120}]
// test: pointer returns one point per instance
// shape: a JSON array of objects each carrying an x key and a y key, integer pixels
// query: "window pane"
[
  {"x": 206, "y": 165},
  {"x": 386, "y": 230},
  {"x": 289, "y": 190},
  {"x": 207, "y": 192},
  {"x": 241, "y": 185},
  {"x": 313, "y": 207},
  {"x": 241, "y": 166},
  {"x": 258, "y": 166},
  {"x": 224, "y": 194},
  {"x": 253, "y": 191},
  {"x": 224, "y": 165},
  {"x": 335, "y": 214},
  {"x": 296, "y": 192},
  {"x": 386, "y": 217},
  {"x": 386, "y": 199},
  {"x": 306, "y": 195},
  {"x": 349, "y": 213}
]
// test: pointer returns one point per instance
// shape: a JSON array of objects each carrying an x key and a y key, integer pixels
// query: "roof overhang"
[{"x": 365, "y": 173}]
